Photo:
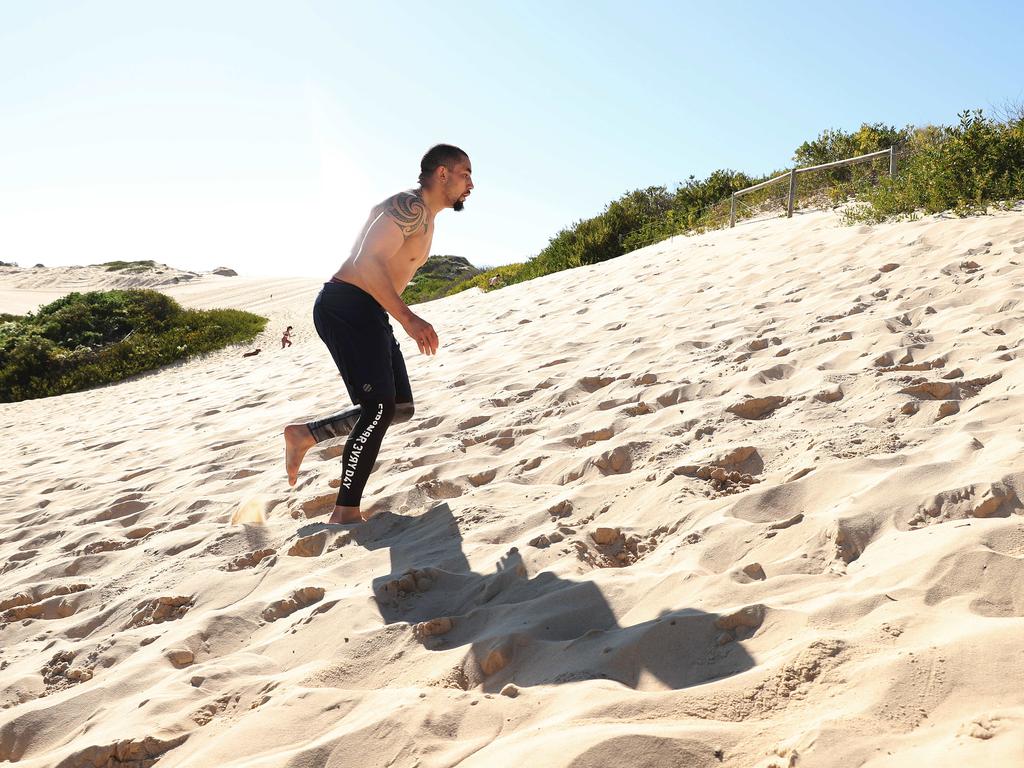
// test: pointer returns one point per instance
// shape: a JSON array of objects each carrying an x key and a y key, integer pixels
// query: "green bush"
[
  {"x": 638, "y": 218},
  {"x": 141, "y": 265},
  {"x": 964, "y": 168},
  {"x": 506, "y": 274},
  {"x": 833, "y": 145},
  {"x": 436, "y": 278},
  {"x": 86, "y": 339}
]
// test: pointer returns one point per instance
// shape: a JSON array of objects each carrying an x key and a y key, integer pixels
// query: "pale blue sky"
[{"x": 257, "y": 135}]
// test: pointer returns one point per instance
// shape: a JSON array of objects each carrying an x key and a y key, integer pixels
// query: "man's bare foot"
[
  {"x": 297, "y": 440},
  {"x": 346, "y": 515}
]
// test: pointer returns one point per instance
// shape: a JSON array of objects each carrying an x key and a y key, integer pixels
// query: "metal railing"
[{"x": 791, "y": 175}]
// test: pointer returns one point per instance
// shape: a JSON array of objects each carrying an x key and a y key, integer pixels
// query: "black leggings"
[
  {"x": 365, "y": 425},
  {"x": 357, "y": 333}
]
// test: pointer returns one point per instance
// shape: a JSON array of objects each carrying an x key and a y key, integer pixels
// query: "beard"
[{"x": 458, "y": 205}]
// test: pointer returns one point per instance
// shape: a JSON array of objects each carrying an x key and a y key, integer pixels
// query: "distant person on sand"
[
  {"x": 286, "y": 338},
  {"x": 351, "y": 316}
]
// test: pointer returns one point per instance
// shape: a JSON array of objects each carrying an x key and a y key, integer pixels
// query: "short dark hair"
[{"x": 438, "y": 155}]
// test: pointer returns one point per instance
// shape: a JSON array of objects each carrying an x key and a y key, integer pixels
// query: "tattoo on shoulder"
[{"x": 409, "y": 212}]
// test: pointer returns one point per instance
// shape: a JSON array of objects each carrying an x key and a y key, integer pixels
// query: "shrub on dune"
[
  {"x": 86, "y": 339},
  {"x": 963, "y": 168}
]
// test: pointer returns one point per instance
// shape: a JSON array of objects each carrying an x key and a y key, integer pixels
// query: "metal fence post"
[
  {"x": 732, "y": 211},
  {"x": 792, "y": 192},
  {"x": 892, "y": 162}
]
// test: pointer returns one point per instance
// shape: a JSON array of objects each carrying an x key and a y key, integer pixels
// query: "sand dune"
[{"x": 751, "y": 498}]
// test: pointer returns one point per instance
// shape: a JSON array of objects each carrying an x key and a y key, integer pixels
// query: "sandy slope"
[
  {"x": 25, "y": 289},
  {"x": 855, "y": 392}
]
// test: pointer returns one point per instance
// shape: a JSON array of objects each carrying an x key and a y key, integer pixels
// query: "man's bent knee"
[
  {"x": 376, "y": 415},
  {"x": 361, "y": 448},
  {"x": 404, "y": 412}
]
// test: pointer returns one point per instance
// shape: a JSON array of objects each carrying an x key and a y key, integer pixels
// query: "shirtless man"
[{"x": 351, "y": 316}]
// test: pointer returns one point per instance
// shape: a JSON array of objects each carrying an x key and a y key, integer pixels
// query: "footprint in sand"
[
  {"x": 757, "y": 407},
  {"x": 473, "y": 421},
  {"x": 833, "y": 395},
  {"x": 523, "y": 395},
  {"x": 219, "y": 706},
  {"x": 309, "y": 546},
  {"x": 144, "y": 751},
  {"x": 589, "y": 438},
  {"x": 615, "y": 461},
  {"x": 502, "y": 439},
  {"x": 721, "y": 481},
  {"x": 67, "y": 485},
  {"x": 606, "y": 547},
  {"x": 411, "y": 582},
  {"x": 41, "y": 603},
  {"x": 982, "y": 500},
  {"x": 639, "y": 409},
  {"x": 250, "y": 559},
  {"x": 593, "y": 383},
  {"x": 432, "y": 628},
  {"x": 528, "y": 465},
  {"x": 559, "y": 361},
  {"x": 134, "y": 474},
  {"x": 776, "y": 372},
  {"x": 440, "y": 490},
  {"x": 60, "y": 673},
  {"x": 930, "y": 390},
  {"x": 122, "y": 507},
  {"x": 159, "y": 610},
  {"x": 107, "y": 545},
  {"x": 844, "y": 336},
  {"x": 560, "y": 510},
  {"x": 503, "y": 443},
  {"x": 773, "y": 528},
  {"x": 16, "y": 560},
  {"x": 430, "y": 423},
  {"x": 676, "y": 395},
  {"x": 315, "y": 506},
  {"x": 482, "y": 478},
  {"x": 103, "y": 446},
  {"x": 300, "y": 598},
  {"x": 852, "y": 536},
  {"x": 224, "y": 446},
  {"x": 740, "y": 624}
]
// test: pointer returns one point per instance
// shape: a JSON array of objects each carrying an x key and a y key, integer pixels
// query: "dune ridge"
[{"x": 751, "y": 498}]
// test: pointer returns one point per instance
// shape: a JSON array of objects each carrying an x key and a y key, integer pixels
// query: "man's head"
[{"x": 446, "y": 171}]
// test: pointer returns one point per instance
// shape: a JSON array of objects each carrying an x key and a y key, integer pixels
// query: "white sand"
[{"x": 884, "y": 625}]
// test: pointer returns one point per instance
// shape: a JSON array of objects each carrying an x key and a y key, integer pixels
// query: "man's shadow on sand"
[{"x": 539, "y": 630}]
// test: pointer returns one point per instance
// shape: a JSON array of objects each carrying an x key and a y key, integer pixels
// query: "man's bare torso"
[{"x": 411, "y": 256}]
